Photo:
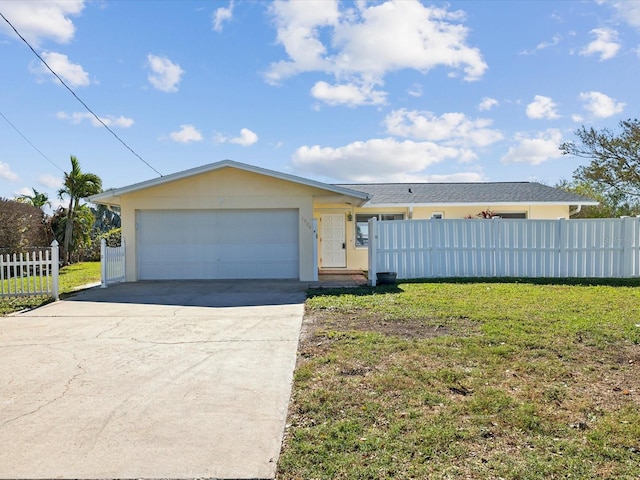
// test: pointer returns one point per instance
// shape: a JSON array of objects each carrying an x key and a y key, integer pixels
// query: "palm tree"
[
  {"x": 77, "y": 185},
  {"x": 38, "y": 199}
]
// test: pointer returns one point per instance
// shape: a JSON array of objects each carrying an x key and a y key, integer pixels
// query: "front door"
[{"x": 333, "y": 253}]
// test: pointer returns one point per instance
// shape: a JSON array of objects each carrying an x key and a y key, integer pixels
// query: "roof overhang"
[
  {"x": 347, "y": 195},
  {"x": 474, "y": 204}
]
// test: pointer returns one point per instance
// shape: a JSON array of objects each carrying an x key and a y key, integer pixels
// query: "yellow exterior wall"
[
  {"x": 533, "y": 212},
  {"x": 357, "y": 257},
  {"x": 226, "y": 188}
]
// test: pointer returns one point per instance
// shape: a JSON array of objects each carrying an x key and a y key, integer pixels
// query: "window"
[
  {"x": 512, "y": 215},
  {"x": 437, "y": 215},
  {"x": 362, "y": 225}
]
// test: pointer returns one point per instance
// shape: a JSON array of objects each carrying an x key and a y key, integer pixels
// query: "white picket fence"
[
  {"x": 30, "y": 274},
  {"x": 112, "y": 263},
  {"x": 585, "y": 248}
]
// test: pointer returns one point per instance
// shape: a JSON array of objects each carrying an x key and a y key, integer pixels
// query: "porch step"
[{"x": 340, "y": 272}]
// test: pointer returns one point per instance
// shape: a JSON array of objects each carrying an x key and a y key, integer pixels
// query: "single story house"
[{"x": 230, "y": 220}]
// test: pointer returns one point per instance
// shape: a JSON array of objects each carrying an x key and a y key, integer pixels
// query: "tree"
[
  {"x": 83, "y": 220},
  {"x": 612, "y": 203},
  {"x": 106, "y": 219},
  {"x": 22, "y": 226},
  {"x": 615, "y": 159},
  {"x": 38, "y": 199},
  {"x": 77, "y": 185}
]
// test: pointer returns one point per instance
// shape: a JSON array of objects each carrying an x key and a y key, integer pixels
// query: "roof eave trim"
[
  {"x": 228, "y": 163},
  {"x": 472, "y": 204}
]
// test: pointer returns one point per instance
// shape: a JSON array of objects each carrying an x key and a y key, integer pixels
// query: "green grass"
[
  {"x": 71, "y": 277},
  {"x": 519, "y": 380}
]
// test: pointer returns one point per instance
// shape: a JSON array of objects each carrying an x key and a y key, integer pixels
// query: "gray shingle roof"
[{"x": 466, "y": 193}]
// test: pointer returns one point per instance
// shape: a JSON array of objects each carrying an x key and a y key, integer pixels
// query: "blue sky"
[{"x": 368, "y": 91}]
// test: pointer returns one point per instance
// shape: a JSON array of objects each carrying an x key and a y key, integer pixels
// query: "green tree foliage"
[
  {"x": 106, "y": 219},
  {"x": 77, "y": 185},
  {"x": 83, "y": 221},
  {"x": 612, "y": 203},
  {"x": 22, "y": 226},
  {"x": 38, "y": 199},
  {"x": 614, "y": 168}
]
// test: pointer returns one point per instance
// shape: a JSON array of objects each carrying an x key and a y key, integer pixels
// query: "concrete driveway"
[{"x": 150, "y": 380}]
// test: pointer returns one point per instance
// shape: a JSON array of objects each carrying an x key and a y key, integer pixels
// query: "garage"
[{"x": 217, "y": 244}]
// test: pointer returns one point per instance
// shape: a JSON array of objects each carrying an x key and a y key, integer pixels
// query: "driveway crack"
[
  {"x": 67, "y": 387},
  {"x": 117, "y": 325}
]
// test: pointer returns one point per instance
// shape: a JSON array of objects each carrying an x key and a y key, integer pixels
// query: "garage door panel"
[{"x": 218, "y": 244}]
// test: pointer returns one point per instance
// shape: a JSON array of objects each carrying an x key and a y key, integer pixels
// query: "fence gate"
[
  {"x": 112, "y": 263},
  {"x": 30, "y": 274}
]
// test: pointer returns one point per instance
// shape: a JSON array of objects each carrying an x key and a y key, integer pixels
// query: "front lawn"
[
  {"x": 71, "y": 277},
  {"x": 512, "y": 380}
]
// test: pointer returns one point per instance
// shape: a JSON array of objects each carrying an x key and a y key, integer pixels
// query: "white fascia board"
[
  {"x": 471, "y": 204},
  {"x": 104, "y": 197}
]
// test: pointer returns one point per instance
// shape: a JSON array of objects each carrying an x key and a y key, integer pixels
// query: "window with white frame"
[
  {"x": 362, "y": 225},
  {"x": 437, "y": 215}
]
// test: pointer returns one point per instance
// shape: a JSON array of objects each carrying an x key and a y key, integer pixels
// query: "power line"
[
  {"x": 77, "y": 97},
  {"x": 29, "y": 142}
]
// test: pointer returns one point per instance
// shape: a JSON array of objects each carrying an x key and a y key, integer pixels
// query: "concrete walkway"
[{"x": 150, "y": 380}]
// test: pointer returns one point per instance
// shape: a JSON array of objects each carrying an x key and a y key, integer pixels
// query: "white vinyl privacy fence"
[
  {"x": 33, "y": 273},
  {"x": 587, "y": 248},
  {"x": 112, "y": 263}
]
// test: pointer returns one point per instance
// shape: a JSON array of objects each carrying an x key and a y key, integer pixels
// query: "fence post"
[
  {"x": 373, "y": 251},
  {"x": 103, "y": 263},
  {"x": 315, "y": 249},
  {"x": 55, "y": 269},
  {"x": 627, "y": 253},
  {"x": 123, "y": 246}
]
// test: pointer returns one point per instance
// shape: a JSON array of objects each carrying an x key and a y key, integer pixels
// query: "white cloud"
[
  {"x": 348, "y": 94},
  {"x": 600, "y": 105},
  {"x": 628, "y": 12},
  {"x": 246, "y": 138},
  {"x": 109, "y": 120},
  {"x": 40, "y": 21},
  {"x": 222, "y": 15},
  {"x": 360, "y": 45},
  {"x": 457, "y": 177},
  {"x": 6, "y": 173},
  {"x": 50, "y": 181},
  {"x": 606, "y": 44},
  {"x": 487, "y": 104},
  {"x": 453, "y": 129},
  {"x": 165, "y": 75},
  {"x": 535, "y": 150},
  {"x": 557, "y": 38},
  {"x": 415, "y": 90},
  {"x": 384, "y": 159},
  {"x": 186, "y": 134},
  {"x": 72, "y": 73},
  {"x": 542, "y": 107},
  {"x": 22, "y": 191}
]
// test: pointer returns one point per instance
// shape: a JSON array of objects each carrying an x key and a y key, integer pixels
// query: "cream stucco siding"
[
  {"x": 225, "y": 188},
  {"x": 534, "y": 212}
]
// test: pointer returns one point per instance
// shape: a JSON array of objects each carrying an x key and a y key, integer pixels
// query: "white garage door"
[{"x": 217, "y": 244}]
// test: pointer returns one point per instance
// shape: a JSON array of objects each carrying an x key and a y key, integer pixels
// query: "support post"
[
  {"x": 373, "y": 252},
  {"x": 55, "y": 269},
  {"x": 315, "y": 249},
  {"x": 103, "y": 263}
]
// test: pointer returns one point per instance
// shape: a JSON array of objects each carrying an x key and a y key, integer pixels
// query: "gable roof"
[
  {"x": 489, "y": 193},
  {"x": 110, "y": 197}
]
